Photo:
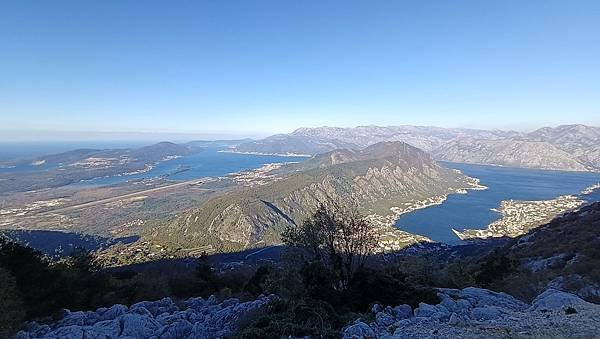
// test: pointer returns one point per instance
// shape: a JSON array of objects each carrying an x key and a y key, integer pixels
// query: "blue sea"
[
  {"x": 209, "y": 162},
  {"x": 473, "y": 210}
]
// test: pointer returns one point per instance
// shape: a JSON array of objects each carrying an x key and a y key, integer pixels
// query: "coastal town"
[
  {"x": 391, "y": 239},
  {"x": 519, "y": 217},
  {"x": 258, "y": 177},
  {"x": 591, "y": 189}
]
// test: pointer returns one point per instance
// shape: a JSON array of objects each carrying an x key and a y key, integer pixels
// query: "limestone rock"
[
  {"x": 402, "y": 312},
  {"x": 358, "y": 330},
  {"x": 553, "y": 299}
]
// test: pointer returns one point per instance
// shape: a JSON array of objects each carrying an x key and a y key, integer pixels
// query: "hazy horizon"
[{"x": 13, "y": 136}]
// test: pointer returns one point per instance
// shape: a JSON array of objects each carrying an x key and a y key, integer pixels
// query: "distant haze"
[{"x": 91, "y": 136}]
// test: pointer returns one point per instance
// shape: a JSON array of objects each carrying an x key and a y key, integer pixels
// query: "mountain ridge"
[{"x": 566, "y": 147}]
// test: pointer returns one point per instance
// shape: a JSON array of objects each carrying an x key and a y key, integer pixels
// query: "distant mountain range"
[
  {"x": 379, "y": 177},
  {"x": 567, "y": 147}
]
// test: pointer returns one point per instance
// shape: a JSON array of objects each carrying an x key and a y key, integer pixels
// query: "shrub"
[
  {"x": 336, "y": 236},
  {"x": 495, "y": 267},
  {"x": 369, "y": 286},
  {"x": 295, "y": 318}
]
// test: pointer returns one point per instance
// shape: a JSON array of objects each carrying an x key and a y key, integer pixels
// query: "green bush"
[
  {"x": 369, "y": 286},
  {"x": 295, "y": 318},
  {"x": 495, "y": 267}
]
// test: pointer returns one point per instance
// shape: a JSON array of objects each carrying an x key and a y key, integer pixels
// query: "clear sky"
[{"x": 259, "y": 67}]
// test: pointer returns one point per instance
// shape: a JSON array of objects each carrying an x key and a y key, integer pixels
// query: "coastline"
[
  {"x": 393, "y": 238},
  {"x": 521, "y": 216},
  {"x": 591, "y": 189},
  {"x": 270, "y": 154}
]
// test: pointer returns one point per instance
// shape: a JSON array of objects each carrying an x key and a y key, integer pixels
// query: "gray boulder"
[
  {"x": 111, "y": 313},
  {"x": 178, "y": 329},
  {"x": 155, "y": 307},
  {"x": 195, "y": 303},
  {"x": 384, "y": 319},
  {"x": 483, "y": 297},
  {"x": 230, "y": 302},
  {"x": 167, "y": 319},
  {"x": 553, "y": 299},
  {"x": 458, "y": 306},
  {"x": 202, "y": 331},
  {"x": 358, "y": 330},
  {"x": 430, "y": 311},
  {"x": 487, "y": 313},
  {"x": 455, "y": 320},
  {"x": 104, "y": 329},
  {"x": 212, "y": 300},
  {"x": 73, "y": 318},
  {"x": 376, "y": 308},
  {"x": 138, "y": 326},
  {"x": 402, "y": 312},
  {"x": 67, "y": 332},
  {"x": 141, "y": 310},
  {"x": 425, "y": 310}
]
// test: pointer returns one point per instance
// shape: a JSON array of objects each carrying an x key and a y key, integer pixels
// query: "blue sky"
[{"x": 259, "y": 67}]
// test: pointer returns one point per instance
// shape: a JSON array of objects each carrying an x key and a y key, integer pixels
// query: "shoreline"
[
  {"x": 393, "y": 238},
  {"x": 591, "y": 189},
  {"x": 521, "y": 216},
  {"x": 267, "y": 154}
]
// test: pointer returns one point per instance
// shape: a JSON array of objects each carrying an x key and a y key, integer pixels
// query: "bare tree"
[{"x": 336, "y": 235}]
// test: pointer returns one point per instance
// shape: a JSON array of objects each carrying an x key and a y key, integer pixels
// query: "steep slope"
[
  {"x": 379, "y": 178},
  {"x": 568, "y": 136},
  {"x": 564, "y": 254},
  {"x": 508, "y": 152},
  {"x": 567, "y": 147},
  {"x": 582, "y": 142}
]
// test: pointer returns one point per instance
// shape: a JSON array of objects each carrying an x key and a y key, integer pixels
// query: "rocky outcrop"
[
  {"x": 480, "y": 313},
  {"x": 194, "y": 318},
  {"x": 562, "y": 254}
]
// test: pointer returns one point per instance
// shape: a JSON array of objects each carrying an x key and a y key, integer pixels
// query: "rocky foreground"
[
  {"x": 194, "y": 318},
  {"x": 480, "y": 313},
  {"x": 468, "y": 313}
]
